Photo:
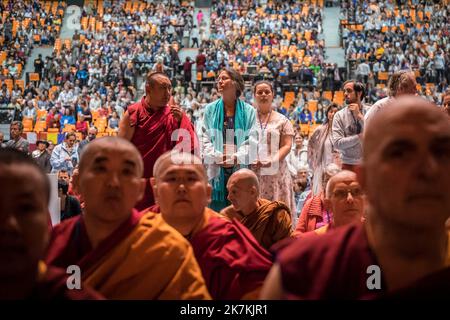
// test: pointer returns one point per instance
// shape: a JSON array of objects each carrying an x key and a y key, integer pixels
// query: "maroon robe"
[
  {"x": 329, "y": 266},
  {"x": 152, "y": 137},
  {"x": 70, "y": 244},
  {"x": 233, "y": 263}
]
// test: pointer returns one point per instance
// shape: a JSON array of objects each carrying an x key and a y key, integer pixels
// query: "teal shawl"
[{"x": 244, "y": 118}]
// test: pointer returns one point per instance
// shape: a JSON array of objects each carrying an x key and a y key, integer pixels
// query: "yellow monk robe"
[
  {"x": 151, "y": 261},
  {"x": 269, "y": 223}
]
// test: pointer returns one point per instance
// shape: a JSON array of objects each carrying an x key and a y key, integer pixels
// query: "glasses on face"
[
  {"x": 342, "y": 194},
  {"x": 71, "y": 140}
]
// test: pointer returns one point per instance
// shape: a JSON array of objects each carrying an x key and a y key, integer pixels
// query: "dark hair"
[
  {"x": 330, "y": 107},
  {"x": 9, "y": 156},
  {"x": 237, "y": 79},
  {"x": 262, "y": 82},
  {"x": 63, "y": 171},
  {"x": 150, "y": 80},
  {"x": 63, "y": 185},
  {"x": 357, "y": 86}
]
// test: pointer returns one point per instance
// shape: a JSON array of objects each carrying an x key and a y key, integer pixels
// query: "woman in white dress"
[{"x": 271, "y": 143}]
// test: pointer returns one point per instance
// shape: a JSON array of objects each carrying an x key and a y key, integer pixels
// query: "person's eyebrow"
[
  {"x": 100, "y": 160},
  {"x": 399, "y": 143},
  {"x": 187, "y": 171},
  {"x": 130, "y": 163}
]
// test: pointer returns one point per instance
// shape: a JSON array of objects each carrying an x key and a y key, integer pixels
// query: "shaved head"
[
  {"x": 181, "y": 189},
  {"x": 176, "y": 157},
  {"x": 243, "y": 190},
  {"x": 246, "y": 176},
  {"x": 406, "y": 166},
  {"x": 111, "y": 143},
  {"x": 345, "y": 198},
  {"x": 342, "y": 176}
]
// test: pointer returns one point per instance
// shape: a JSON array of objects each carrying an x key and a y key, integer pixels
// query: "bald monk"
[
  {"x": 122, "y": 253},
  {"x": 24, "y": 196},
  {"x": 268, "y": 221},
  {"x": 345, "y": 198},
  {"x": 406, "y": 175},
  {"x": 233, "y": 264}
]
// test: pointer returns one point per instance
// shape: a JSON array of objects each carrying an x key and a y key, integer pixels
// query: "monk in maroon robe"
[
  {"x": 122, "y": 253},
  {"x": 151, "y": 125},
  {"x": 406, "y": 177},
  {"x": 24, "y": 195},
  {"x": 233, "y": 263}
]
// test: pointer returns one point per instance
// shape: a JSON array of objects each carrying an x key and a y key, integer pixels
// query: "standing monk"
[{"x": 151, "y": 125}]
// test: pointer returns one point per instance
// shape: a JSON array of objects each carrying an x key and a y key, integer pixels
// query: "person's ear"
[
  {"x": 154, "y": 187},
  {"x": 141, "y": 188},
  {"x": 208, "y": 193},
  {"x": 254, "y": 191}
]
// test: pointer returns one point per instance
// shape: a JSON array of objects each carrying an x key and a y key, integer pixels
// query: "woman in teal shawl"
[{"x": 225, "y": 134}]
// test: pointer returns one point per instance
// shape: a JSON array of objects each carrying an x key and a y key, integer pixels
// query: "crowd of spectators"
[
  {"x": 89, "y": 80},
  {"x": 381, "y": 38},
  {"x": 26, "y": 24},
  {"x": 279, "y": 39}
]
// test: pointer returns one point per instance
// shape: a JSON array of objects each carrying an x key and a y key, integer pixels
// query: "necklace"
[{"x": 260, "y": 122}]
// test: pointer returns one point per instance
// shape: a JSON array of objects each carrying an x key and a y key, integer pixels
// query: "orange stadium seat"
[
  {"x": 383, "y": 76},
  {"x": 34, "y": 76},
  {"x": 41, "y": 114},
  {"x": 9, "y": 84},
  {"x": 20, "y": 83},
  {"x": 327, "y": 95},
  {"x": 312, "y": 106},
  {"x": 27, "y": 124},
  {"x": 40, "y": 126},
  {"x": 304, "y": 129}
]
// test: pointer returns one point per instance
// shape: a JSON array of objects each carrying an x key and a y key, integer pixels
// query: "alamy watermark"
[
  {"x": 73, "y": 281},
  {"x": 373, "y": 282}
]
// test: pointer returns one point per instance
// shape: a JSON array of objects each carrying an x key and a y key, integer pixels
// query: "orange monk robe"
[
  {"x": 152, "y": 261},
  {"x": 269, "y": 223},
  {"x": 233, "y": 263}
]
